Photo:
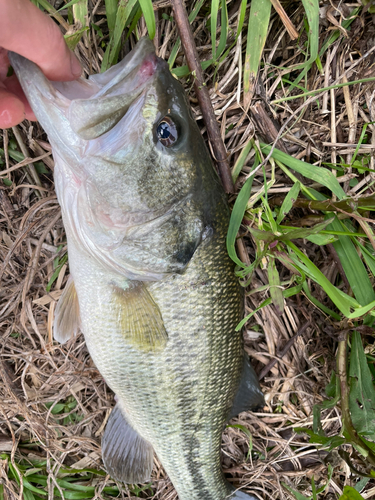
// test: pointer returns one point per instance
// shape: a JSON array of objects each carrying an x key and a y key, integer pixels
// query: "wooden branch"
[{"x": 203, "y": 96}]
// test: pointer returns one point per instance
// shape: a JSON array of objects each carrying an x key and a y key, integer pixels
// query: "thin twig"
[
  {"x": 203, "y": 96},
  {"x": 293, "y": 33}
]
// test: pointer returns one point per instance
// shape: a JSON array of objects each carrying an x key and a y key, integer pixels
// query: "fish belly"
[{"x": 177, "y": 398}]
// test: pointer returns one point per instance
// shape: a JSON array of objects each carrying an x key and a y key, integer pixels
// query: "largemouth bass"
[{"x": 152, "y": 286}]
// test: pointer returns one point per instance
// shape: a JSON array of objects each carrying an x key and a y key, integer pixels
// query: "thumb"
[{"x": 26, "y": 30}]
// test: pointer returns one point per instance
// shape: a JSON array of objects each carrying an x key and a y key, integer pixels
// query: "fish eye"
[{"x": 166, "y": 132}]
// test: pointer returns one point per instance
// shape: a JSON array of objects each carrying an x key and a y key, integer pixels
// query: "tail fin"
[{"x": 241, "y": 495}]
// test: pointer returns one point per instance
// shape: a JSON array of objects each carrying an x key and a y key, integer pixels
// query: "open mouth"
[{"x": 93, "y": 106}]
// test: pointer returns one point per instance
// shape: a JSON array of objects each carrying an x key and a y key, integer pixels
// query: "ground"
[{"x": 55, "y": 404}]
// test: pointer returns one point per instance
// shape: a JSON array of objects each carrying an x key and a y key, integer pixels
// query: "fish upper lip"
[
  {"x": 148, "y": 67},
  {"x": 138, "y": 77}
]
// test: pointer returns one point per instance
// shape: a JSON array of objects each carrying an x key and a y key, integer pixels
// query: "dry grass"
[{"x": 36, "y": 371}]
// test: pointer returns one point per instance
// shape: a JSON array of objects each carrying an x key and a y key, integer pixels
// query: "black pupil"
[{"x": 164, "y": 130}]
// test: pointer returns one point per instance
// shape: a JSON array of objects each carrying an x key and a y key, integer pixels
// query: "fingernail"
[{"x": 75, "y": 66}]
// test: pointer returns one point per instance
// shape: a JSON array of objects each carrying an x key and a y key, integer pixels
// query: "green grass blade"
[
  {"x": 184, "y": 70},
  {"x": 122, "y": 19},
  {"x": 318, "y": 304},
  {"x": 350, "y": 493},
  {"x": 236, "y": 219},
  {"x": 32, "y": 488},
  {"x": 224, "y": 29},
  {"x": 318, "y": 174},
  {"x": 111, "y": 12},
  {"x": 269, "y": 216},
  {"x": 362, "y": 311},
  {"x": 321, "y": 239},
  {"x": 73, "y": 38},
  {"x": 51, "y": 10},
  {"x": 69, "y": 4},
  {"x": 362, "y": 391},
  {"x": 27, "y": 495},
  {"x": 342, "y": 301},
  {"x": 312, "y": 13},
  {"x": 241, "y": 19},
  {"x": 149, "y": 15},
  {"x": 368, "y": 257},
  {"x": 80, "y": 12},
  {"x": 241, "y": 159},
  {"x": 260, "y": 12},
  {"x": 360, "y": 140},
  {"x": 214, "y": 14},
  {"x": 276, "y": 291},
  {"x": 288, "y": 201},
  {"x": 353, "y": 266},
  {"x": 137, "y": 16}
]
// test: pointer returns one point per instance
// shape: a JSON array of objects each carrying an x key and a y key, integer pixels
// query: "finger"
[
  {"x": 13, "y": 86},
  {"x": 26, "y": 30},
  {"x": 12, "y": 110}
]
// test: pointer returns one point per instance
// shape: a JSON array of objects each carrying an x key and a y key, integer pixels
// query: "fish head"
[
  {"x": 128, "y": 154},
  {"x": 131, "y": 117}
]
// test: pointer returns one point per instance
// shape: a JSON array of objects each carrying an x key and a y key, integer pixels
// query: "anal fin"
[
  {"x": 126, "y": 455},
  {"x": 249, "y": 394},
  {"x": 67, "y": 319}
]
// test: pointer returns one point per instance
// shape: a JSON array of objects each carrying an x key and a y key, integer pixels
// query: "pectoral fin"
[
  {"x": 140, "y": 317},
  {"x": 126, "y": 455},
  {"x": 67, "y": 319},
  {"x": 249, "y": 394}
]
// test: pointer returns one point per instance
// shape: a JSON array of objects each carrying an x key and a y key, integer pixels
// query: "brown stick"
[
  {"x": 203, "y": 96},
  {"x": 266, "y": 126},
  {"x": 293, "y": 33}
]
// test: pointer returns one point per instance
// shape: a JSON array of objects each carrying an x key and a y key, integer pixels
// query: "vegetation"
[{"x": 301, "y": 236}]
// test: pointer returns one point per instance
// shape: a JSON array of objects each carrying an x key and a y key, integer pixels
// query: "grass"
[{"x": 301, "y": 237}]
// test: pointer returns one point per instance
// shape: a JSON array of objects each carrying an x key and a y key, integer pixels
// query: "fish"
[{"x": 151, "y": 284}]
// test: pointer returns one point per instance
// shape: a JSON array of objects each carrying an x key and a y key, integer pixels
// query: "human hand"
[{"x": 26, "y": 30}]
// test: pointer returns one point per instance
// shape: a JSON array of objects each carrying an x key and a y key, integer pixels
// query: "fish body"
[{"x": 152, "y": 286}]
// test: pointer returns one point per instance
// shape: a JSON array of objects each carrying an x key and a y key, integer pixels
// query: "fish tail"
[{"x": 240, "y": 495}]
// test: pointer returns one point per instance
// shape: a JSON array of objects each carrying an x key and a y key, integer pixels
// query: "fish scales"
[
  {"x": 186, "y": 373},
  {"x": 155, "y": 293}
]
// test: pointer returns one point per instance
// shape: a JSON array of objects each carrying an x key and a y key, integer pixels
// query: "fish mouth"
[{"x": 87, "y": 108}]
